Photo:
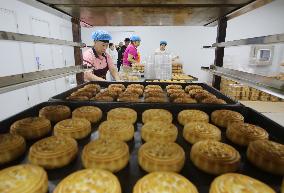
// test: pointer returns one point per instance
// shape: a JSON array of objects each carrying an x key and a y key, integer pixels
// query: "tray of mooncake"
[
  {"x": 145, "y": 92},
  {"x": 65, "y": 147}
]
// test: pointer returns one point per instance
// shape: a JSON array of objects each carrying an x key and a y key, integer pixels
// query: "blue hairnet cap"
[
  {"x": 135, "y": 38},
  {"x": 163, "y": 42},
  {"x": 101, "y": 35}
]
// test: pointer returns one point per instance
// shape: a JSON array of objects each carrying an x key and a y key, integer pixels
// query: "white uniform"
[
  {"x": 158, "y": 51},
  {"x": 113, "y": 54}
]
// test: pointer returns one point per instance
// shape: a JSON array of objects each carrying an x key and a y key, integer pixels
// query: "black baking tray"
[
  {"x": 132, "y": 172},
  {"x": 218, "y": 94},
  {"x": 188, "y": 80}
]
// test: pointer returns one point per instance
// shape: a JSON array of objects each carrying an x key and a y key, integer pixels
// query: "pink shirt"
[
  {"x": 90, "y": 60},
  {"x": 131, "y": 49}
]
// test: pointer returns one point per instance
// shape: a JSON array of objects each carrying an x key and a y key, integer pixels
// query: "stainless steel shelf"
[
  {"x": 37, "y": 39},
  {"x": 271, "y": 39},
  {"x": 266, "y": 84},
  {"x": 13, "y": 82}
]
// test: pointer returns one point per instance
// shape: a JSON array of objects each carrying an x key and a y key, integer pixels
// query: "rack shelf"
[
  {"x": 37, "y": 39},
  {"x": 13, "y": 82},
  {"x": 271, "y": 39},
  {"x": 266, "y": 84}
]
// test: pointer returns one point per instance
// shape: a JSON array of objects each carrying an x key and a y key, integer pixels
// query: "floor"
[{"x": 273, "y": 110}]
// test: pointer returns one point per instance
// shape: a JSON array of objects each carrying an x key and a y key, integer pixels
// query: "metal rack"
[
  {"x": 37, "y": 39},
  {"x": 13, "y": 82},
  {"x": 153, "y": 13},
  {"x": 266, "y": 84},
  {"x": 271, "y": 39},
  {"x": 207, "y": 13},
  {"x": 263, "y": 83}
]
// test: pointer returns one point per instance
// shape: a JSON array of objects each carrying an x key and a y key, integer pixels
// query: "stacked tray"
[
  {"x": 63, "y": 96},
  {"x": 132, "y": 172}
]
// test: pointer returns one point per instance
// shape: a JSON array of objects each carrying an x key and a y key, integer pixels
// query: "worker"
[
  {"x": 162, "y": 49},
  {"x": 118, "y": 47},
  {"x": 97, "y": 58},
  {"x": 121, "y": 52},
  {"x": 130, "y": 55},
  {"x": 113, "y": 53}
]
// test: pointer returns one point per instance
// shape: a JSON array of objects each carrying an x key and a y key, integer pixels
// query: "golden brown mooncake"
[
  {"x": 154, "y": 94},
  {"x": 157, "y": 115},
  {"x": 78, "y": 98},
  {"x": 201, "y": 96},
  {"x": 76, "y": 128},
  {"x": 160, "y": 182},
  {"x": 172, "y": 91},
  {"x": 159, "y": 131},
  {"x": 108, "y": 92},
  {"x": 102, "y": 98},
  {"x": 128, "y": 94},
  {"x": 186, "y": 99},
  {"x": 198, "y": 131},
  {"x": 95, "y": 86},
  {"x": 223, "y": 118},
  {"x": 133, "y": 90},
  {"x": 24, "y": 178},
  {"x": 194, "y": 92},
  {"x": 161, "y": 156},
  {"x": 108, "y": 154},
  {"x": 89, "y": 180},
  {"x": 91, "y": 113},
  {"x": 155, "y": 100},
  {"x": 178, "y": 95},
  {"x": 55, "y": 113},
  {"x": 122, "y": 114},
  {"x": 267, "y": 155},
  {"x": 243, "y": 133},
  {"x": 136, "y": 86},
  {"x": 187, "y": 116},
  {"x": 115, "y": 91},
  {"x": 153, "y": 86},
  {"x": 83, "y": 93},
  {"x": 213, "y": 100},
  {"x": 105, "y": 92},
  {"x": 120, "y": 130},
  {"x": 214, "y": 157},
  {"x": 173, "y": 86},
  {"x": 91, "y": 90},
  {"x": 191, "y": 87},
  {"x": 117, "y": 86},
  {"x": 233, "y": 182},
  {"x": 53, "y": 152},
  {"x": 11, "y": 147},
  {"x": 31, "y": 127}
]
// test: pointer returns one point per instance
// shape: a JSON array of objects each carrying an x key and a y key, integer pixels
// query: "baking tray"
[
  {"x": 218, "y": 94},
  {"x": 191, "y": 79},
  {"x": 149, "y": 81},
  {"x": 129, "y": 175}
]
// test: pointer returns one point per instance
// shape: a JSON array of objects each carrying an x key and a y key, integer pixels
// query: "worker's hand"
[
  {"x": 99, "y": 79},
  {"x": 88, "y": 75},
  {"x": 117, "y": 78}
]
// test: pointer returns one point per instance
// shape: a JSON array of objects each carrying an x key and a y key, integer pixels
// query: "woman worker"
[
  {"x": 130, "y": 55},
  {"x": 98, "y": 59},
  {"x": 162, "y": 48}
]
